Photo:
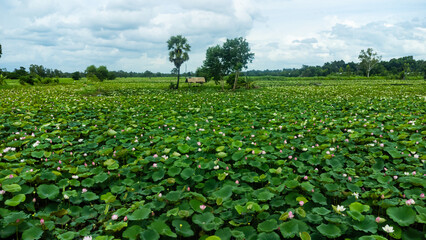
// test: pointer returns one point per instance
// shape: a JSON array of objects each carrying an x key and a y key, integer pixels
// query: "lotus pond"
[{"x": 290, "y": 160}]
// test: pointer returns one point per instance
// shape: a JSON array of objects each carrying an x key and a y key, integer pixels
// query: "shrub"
[{"x": 27, "y": 79}]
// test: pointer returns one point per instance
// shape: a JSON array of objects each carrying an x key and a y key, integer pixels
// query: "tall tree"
[
  {"x": 0, "y": 51},
  {"x": 368, "y": 60},
  {"x": 213, "y": 66},
  {"x": 236, "y": 56},
  {"x": 179, "y": 48}
]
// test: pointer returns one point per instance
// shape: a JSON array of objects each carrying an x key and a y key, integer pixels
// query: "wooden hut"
[{"x": 199, "y": 80}]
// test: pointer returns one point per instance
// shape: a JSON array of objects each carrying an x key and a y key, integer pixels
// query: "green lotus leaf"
[
  {"x": 88, "y": 182},
  {"x": 90, "y": 196},
  {"x": 111, "y": 132},
  {"x": 47, "y": 191},
  {"x": 267, "y": 226},
  {"x": 140, "y": 214},
  {"x": 237, "y": 155},
  {"x": 372, "y": 237},
  {"x": 187, "y": 173},
  {"x": 132, "y": 232},
  {"x": 38, "y": 154},
  {"x": 32, "y": 233},
  {"x": 149, "y": 234},
  {"x": 268, "y": 236},
  {"x": 329, "y": 230},
  {"x": 291, "y": 228},
  {"x": 12, "y": 187},
  {"x": 213, "y": 238},
  {"x": 67, "y": 236},
  {"x": 304, "y": 236},
  {"x": 404, "y": 216},
  {"x": 356, "y": 215},
  {"x": 162, "y": 228},
  {"x": 356, "y": 206},
  {"x": 15, "y": 201},
  {"x": 184, "y": 149},
  {"x": 225, "y": 192},
  {"x": 319, "y": 198},
  {"x": 182, "y": 228},
  {"x": 367, "y": 225},
  {"x": 116, "y": 226},
  {"x": 158, "y": 175},
  {"x": 321, "y": 211}
]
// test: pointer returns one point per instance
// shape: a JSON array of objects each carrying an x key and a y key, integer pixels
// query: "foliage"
[
  {"x": 2, "y": 80},
  {"x": 178, "y": 52},
  {"x": 369, "y": 60},
  {"x": 236, "y": 55},
  {"x": 138, "y": 162},
  {"x": 76, "y": 75},
  {"x": 100, "y": 73}
]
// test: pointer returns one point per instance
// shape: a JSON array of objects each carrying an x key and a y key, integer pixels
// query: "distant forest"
[{"x": 396, "y": 68}]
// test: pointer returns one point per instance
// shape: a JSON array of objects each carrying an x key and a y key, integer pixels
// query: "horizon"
[{"x": 128, "y": 36}]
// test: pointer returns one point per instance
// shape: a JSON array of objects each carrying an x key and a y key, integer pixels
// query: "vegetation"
[
  {"x": 368, "y": 59},
  {"x": 178, "y": 53},
  {"x": 128, "y": 159},
  {"x": 233, "y": 56}
]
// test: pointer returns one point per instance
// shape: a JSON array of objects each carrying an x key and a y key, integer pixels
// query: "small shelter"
[{"x": 199, "y": 80}]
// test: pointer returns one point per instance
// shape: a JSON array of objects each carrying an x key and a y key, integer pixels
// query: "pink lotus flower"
[
  {"x": 377, "y": 219},
  {"x": 202, "y": 207},
  {"x": 350, "y": 179},
  {"x": 290, "y": 157},
  {"x": 305, "y": 177},
  {"x": 42, "y": 221},
  {"x": 238, "y": 182},
  {"x": 83, "y": 190},
  {"x": 410, "y": 202},
  {"x": 188, "y": 189},
  {"x": 199, "y": 166},
  {"x": 154, "y": 165},
  {"x": 11, "y": 176},
  {"x": 125, "y": 218},
  {"x": 301, "y": 203},
  {"x": 114, "y": 217},
  {"x": 422, "y": 195},
  {"x": 395, "y": 177},
  {"x": 290, "y": 215}
]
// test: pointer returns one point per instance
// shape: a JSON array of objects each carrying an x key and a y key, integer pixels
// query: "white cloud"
[{"x": 132, "y": 35}]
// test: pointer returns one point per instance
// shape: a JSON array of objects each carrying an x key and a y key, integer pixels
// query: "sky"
[{"x": 131, "y": 35}]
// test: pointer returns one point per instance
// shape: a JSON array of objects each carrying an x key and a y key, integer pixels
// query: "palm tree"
[{"x": 179, "y": 52}]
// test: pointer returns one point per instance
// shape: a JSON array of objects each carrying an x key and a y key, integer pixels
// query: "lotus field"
[{"x": 129, "y": 159}]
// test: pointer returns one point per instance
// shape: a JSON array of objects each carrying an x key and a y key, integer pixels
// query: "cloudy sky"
[{"x": 131, "y": 35}]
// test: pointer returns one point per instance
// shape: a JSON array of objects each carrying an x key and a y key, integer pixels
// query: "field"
[{"x": 130, "y": 159}]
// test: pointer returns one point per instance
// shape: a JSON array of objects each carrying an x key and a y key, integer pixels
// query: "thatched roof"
[{"x": 195, "y": 80}]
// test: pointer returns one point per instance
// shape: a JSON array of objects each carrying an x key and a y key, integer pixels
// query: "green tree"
[
  {"x": 236, "y": 55},
  {"x": 368, "y": 59},
  {"x": 90, "y": 71},
  {"x": 102, "y": 73},
  {"x": 213, "y": 66},
  {"x": 76, "y": 75},
  {"x": 178, "y": 52},
  {"x": 348, "y": 70}
]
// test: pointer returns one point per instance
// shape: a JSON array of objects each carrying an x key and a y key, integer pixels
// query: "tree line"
[{"x": 396, "y": 68}]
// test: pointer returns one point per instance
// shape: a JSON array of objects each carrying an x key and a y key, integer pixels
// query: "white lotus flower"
[
  {"x": 340, "y": 208},
  {"x": 388, "y": 229},
  {"x": 356, "y": 195}
]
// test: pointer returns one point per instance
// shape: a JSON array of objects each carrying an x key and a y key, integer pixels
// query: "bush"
[
  {"x": 27, "y": 79},
  {"x": 2, "y": 80},
  {"x": 76, "y": 75}
]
